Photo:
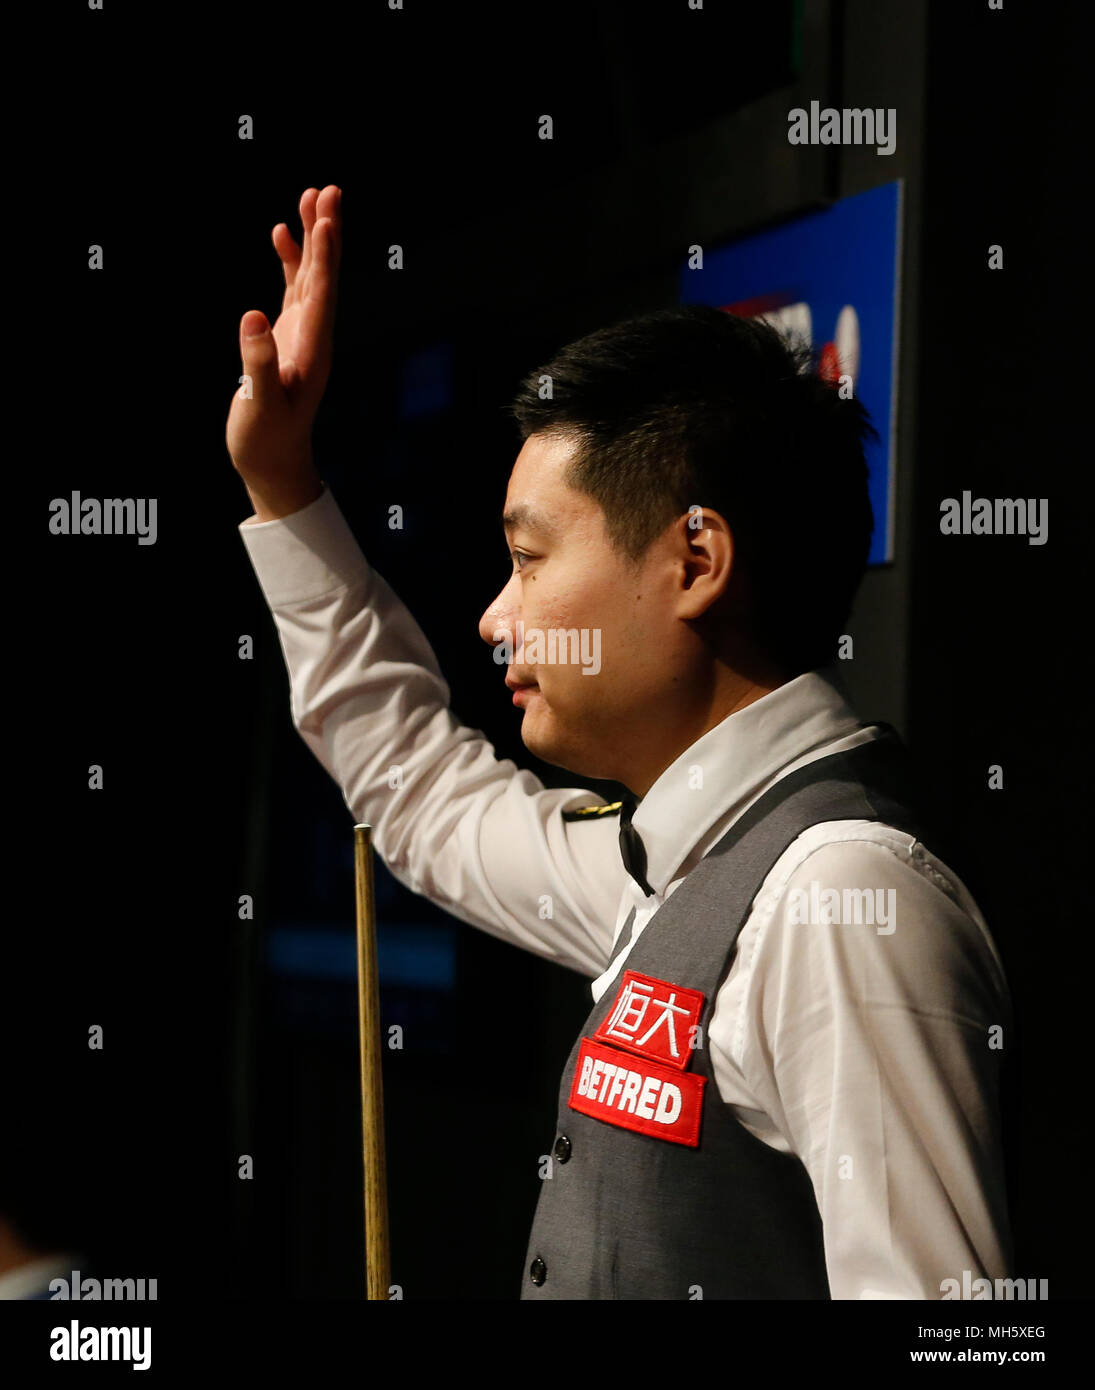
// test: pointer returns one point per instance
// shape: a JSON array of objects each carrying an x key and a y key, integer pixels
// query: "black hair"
[{"x": 697, "y": 406}]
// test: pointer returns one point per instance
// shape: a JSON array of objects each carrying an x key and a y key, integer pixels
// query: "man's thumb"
[{"x": 259, "y": 353}]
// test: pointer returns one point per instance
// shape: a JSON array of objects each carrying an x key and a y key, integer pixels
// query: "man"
[{"x": 787, "y": 1084}]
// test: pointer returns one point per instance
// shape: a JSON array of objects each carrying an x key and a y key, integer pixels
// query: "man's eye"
[{"x": 519, "y": 558}]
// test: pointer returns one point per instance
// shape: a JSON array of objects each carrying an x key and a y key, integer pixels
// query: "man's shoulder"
[
  {"x": 870, "y": 901},
  {"x": 857, "y": 849}
]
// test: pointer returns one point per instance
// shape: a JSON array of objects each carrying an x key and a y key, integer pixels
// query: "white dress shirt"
[{"x": 863, "y": 1049}]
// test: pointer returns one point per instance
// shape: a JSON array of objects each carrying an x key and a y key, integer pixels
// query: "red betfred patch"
[
  {"x": 634, "y": 1072},
  {"x": 637, "y": 1094}
]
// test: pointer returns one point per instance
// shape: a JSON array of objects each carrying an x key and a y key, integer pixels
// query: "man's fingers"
[
  {"x": 325, "y": 256},
  {"x": 259, "y": 354},
  {"x": 308, "y": 200},
  {"x": 329, "y": 206},
  {"x": 328, "y": 202},
  {"x": 289, "y": 252},
  {"x": 318, "y": 305}
]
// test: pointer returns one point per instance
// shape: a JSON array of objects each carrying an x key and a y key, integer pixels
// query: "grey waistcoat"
[{"x": 628, "y": 1215}]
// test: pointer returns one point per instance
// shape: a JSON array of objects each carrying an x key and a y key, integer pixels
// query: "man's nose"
[{"x": 500, "y": 618}]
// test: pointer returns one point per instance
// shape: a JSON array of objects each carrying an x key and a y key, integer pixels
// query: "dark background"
[{"x": 226, "y": 1037}]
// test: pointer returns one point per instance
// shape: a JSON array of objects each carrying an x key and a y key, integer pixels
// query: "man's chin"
[
  {"x": 542, "y": 737},
  {"x": 538, "y": 736}
]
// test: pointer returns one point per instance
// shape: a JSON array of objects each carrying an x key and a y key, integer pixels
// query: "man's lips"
[{"x": 522, "y": 693}]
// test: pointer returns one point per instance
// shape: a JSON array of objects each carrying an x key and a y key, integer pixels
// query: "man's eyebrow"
[{"x": 529, "y": 518}]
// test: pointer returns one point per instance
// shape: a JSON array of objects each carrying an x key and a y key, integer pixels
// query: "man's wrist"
[{"x": 272, "y": 504}]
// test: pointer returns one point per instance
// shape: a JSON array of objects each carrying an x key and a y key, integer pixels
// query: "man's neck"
[{"x": 730, "y": 693}]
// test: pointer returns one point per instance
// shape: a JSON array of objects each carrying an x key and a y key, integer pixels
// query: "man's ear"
[{"x": 705, "y": 548}]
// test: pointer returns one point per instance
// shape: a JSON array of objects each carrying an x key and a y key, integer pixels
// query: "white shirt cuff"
[{"x": 305, "y": 555}]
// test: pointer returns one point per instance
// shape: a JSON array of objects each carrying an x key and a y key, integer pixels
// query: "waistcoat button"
[
  {"x": 562, "y": 1148},
  {"x": 537, "y": 1271}
]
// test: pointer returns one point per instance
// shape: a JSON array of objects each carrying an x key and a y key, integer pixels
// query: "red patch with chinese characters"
[
  {"x": 637, "y": 1094},
  {"x": 653, "y": 1019}
]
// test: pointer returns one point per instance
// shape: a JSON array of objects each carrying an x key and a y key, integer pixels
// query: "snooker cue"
[{"x": 377, "y": 1259}]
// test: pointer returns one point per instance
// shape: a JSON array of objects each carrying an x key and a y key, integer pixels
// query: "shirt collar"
[{"x": 730, "y": 765}]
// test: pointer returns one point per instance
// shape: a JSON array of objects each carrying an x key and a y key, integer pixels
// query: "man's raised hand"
[{"x": 269, "y": 432}]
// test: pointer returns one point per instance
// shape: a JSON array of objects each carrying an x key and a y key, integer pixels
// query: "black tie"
[{"x": 632, "y": 848}]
